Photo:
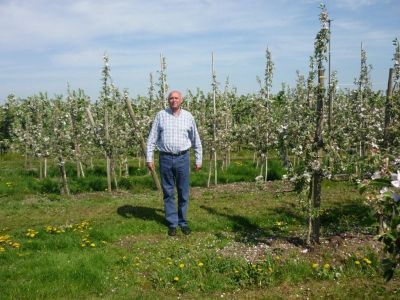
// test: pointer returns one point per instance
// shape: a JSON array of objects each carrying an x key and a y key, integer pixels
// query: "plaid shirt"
[{"x": 174, "y": 134}]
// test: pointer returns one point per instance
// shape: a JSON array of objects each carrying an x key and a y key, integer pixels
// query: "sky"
[{"x": 47, "y": 44}]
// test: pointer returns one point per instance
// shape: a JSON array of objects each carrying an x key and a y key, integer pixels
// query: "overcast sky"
[{"x": 45, "y": 44}]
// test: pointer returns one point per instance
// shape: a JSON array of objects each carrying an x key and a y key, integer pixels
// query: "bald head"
[
  {"x": 175, "y": 92},
  {"x": 175, "y": 100}
]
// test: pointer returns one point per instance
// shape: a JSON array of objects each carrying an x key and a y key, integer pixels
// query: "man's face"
[{"x": 175, "y": 101}]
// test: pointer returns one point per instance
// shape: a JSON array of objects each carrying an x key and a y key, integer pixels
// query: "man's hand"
[
  {"x": 150, "y": 166},
  {"x": 197, "y": 167}
]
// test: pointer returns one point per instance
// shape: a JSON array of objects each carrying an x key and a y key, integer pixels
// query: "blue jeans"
[{"x": 174, "y": 170}]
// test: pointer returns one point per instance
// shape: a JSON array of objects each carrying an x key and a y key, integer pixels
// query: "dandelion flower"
[
  {"x": 367, "y": 261},
  {"x": 4, "y": 238},
  {"x": 315, "y": 265},
  {"x": 176, "y": 278},
  {"x": 327, "y": 266},
  {"x": 92, "y": 245},
  {"x": 200, "y": 264},
  {"x": 2, "y": 249},
  {"x": 181, "y": 265},
  {"x": 357, "y": 262}
]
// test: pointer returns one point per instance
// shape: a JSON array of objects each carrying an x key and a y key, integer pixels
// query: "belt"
[{"x": 175, "y": 154}]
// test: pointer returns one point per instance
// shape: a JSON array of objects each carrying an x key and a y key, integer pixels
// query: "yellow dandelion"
[
  {"x": 2, "y": 249},
  {"x": 367, "y": 261},
  {"x": 83, "y": 245},
  {"x": 92, "y": 245},
  {"x": 16, "y": 245},
  {"x": 31, "y": 233},
  {"x": 277, "y": 257},
  {"x": 315, "y": 265},
  {"x": 4, "y": 238},
  {"x": 200, "y": 264},
  {"x": 270, "y": 269},
  {"x": 181, "y": 265},
  {"x": 326, "y": 266},
  {"x": 357, "y": 262},
  {"x": 236, "y": 271},
  {"x": 176, "y": 278},
  {"x": 259, "y": 269}
]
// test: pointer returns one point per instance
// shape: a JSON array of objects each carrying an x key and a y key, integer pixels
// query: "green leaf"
[{"x": 388, "y": 266}]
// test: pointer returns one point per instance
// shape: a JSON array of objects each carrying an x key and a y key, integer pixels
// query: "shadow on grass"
[
  {"x": 352, "y": 217},
  {"x": 349, "y": 217},
  {"x": 250, "y": 233},
  {"x": 141, "y": 212}
]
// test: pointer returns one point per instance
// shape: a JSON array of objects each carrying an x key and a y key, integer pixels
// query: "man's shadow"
[{"x": 141, "y": 212}]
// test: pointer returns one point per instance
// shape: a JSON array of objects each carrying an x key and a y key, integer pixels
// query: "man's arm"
[
  {"x": 151, "y": 143},
  {"x": 197, "y": 147}
]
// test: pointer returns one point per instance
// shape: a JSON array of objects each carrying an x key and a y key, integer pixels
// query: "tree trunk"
[
  {"x": 108, "y": 152},
  {"x": 126, "y": 167},
  {"x": 45, "y": 167},
  {"x": 113, "y": 175},
  {"x": 388, "y": 110},
  {"x": 109, "y": 187},
  {"x": 78, "y": 169},
  {"x": 210, "y": 170},
  {"x": 81, "y": 168},
  {"x": 63, "y": 174},
  {"x": 316, "y": 180},
  {"x": 214, "y": 120},
  {"x": 215, "y": 168},
  {"x": 266, "y": 166},
  {"x": 40, "y": 168}
]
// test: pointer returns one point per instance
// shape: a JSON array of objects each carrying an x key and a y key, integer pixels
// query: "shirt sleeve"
[
  {"x": 152, "y": 139},
  {"x": 196, "y": 144}
]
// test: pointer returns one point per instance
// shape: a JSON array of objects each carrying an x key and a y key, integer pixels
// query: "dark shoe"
[
  {"x": 186, "y": 230},
  {"x": 172, "y": 231}
]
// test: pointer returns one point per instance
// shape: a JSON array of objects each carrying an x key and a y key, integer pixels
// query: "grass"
[
  {"x": 15, "y": 178},
  {"x": 246, "y": 243}
]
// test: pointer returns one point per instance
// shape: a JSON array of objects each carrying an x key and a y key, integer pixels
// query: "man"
[{"x": 173, "y": 132}]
